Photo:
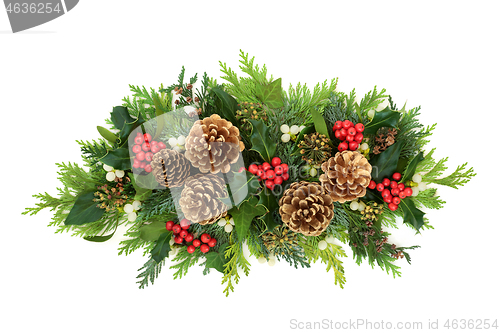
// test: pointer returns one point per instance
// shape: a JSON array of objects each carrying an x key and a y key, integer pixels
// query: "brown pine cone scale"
[{"x": 170, "y": 168}]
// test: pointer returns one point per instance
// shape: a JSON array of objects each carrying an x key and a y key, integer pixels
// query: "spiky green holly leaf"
[
  {"x": 118, "y": 158},
  {"x": 412, "y": 215},
  {"x": 268, "y": 200},
  {"x": 385, "y": 163},
  {"x": 412, "y": 166},
  {"x": 261, "y": 140},
  {"x": 244, "y": 215},
  {"x": 162, "y": 247},
  {"x": 384, "y": 118},
  {"x": 240, "y": 188}
]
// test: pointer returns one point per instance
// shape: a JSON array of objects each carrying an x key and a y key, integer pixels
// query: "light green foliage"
[
  {"x": 429, "y": 199},
  {"x": 234, "y": 255}
]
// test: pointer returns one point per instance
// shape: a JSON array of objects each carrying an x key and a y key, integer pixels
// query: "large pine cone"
[
  {"x": 306, "y": 208},
  {"x": 170, "y": 168},
  {"x": 199, "y": 199},
  {"x": 213, "y": 144},
  {"x": 346, "y": 175}
]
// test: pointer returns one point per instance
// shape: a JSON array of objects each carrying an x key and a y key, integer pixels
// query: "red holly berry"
[
  {"x": 393, "y": 206},
  {"x": 140, "y": 156},
  {"x": 162, "y": 145},
  {"x": 353, "y": 145},
  {"x": 178, "y": 239},
  {"x": 149, "y": 156},
  {"x": 204, "y": 248},
  {"x": 185, "y": 224},
  {"x": 189, "y": 238},
  {"x": 136, "y": 164},
  {"x": 394, "y": 184},
  {"x": 253, "y": 168},
  {"x": 143, "y": 165},
  {"x": 349, "y": 137},
  {"x": 169, "y": 225},
  {"x": 269, "y": 184},
  {"x": 146, "y": 146},
  {"x": 191, "y": 249},
  {"x": 176, "y": 229},
  {"x": 346, "y": 124},
  {"x": 275, "y": 161},
  {"x": 337, "y": 134},
  {"x": 386, "y": 193},
  {"x": 343, "y": 132},
  {"x": 155, "y": 148},
  {"x": 351, "y": 131},
  {"x": 241, "y": 169},
  {"x": 358, "y": 137},
  {"x": 285, "y": 167},
  {"x": 408, "y": 191},
  {"x": 196, "y": 242},
  {"x": 136, "y": 149},
  {"x": 401, "y": 186},
  {"x": 338, "y": 125},
  {"x": 388, "y": 199},
  {"x": 278, "y": 170},
  {"x": 396, "y": 176},
  {"x": 278, "y": 180},
  {"x": 359, "y": 127},
  {"x": 343, "y": 146},
  {"x": 139, "y": 140},
  {"x": 212, "y": 242},
  {"x": 260, "y": 173},
  {"x": 266, "y": 166},
  {"x": 148, "y": 137},
  {"x": 396, "y": 200},
  {"x": 386, "y": 182},
  {"x": 148, "y": 168},
  {"x": 372, "y": 184},
  {"x": 402, "y": 194},
  {"x": 380, "y": 187},
  {"x": 205, "y": 238},
  {"x": 270, "y": 174},
  {"x": 395, "y": 191},
  {"x": 285, "y": 176},
  {"x": 183, "y": 233}
]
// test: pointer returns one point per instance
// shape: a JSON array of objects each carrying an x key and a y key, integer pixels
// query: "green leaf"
[
  {"x": 120, "y": 116},
  {"x": 268, "y": 200},
  {"x": 261, "y": 140},
  {"x": 372, "y": 195},
  {"x": 128, "y": 128},
  {"x": 84, "y": 210},
  {"x": 384, "y": 118},
  {"x": 226, "y": 105},
  {"x": 143, "y": 185},
  {"x": 159, "y": 111},
  {"x": 319, "y": 122},
  {"x": 151, "y": 232},
  {"x": 270, "y": 94},
  {"x": 412, "y": 215},
  {"x": 385, "y": 163},
  {"x": 108, "y": 135},
  {"x": 162, "y": 247},
  {"x": 217, "y": 260},
  {"x": 241, "y": 187},
  {"x": 118, "y": 159},
  {"x": 98, "y": 239},
  {"x": 243, "y": 216},
  {"x": 410, "y": 170}
]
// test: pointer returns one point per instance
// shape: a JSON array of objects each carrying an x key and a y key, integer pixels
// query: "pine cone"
[
  {"x": 346, "y": 175},
  {"x": 199, "y": 199},
  {"x": 213, "y": 144},
  {"x": 306, "y": 208},
  {"x": 170, "y": 168}
]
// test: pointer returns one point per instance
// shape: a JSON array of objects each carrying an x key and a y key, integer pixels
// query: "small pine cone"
[
  {"x": 306, "y": 208},
  {"x": 213, "y": 144},
  {"x": 170, "y": 168},
  {"x": 346, "y": 175},
  {"x": 200, "y": 199}
]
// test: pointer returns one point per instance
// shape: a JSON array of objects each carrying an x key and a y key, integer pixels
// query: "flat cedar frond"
[
  {"x": 150, "y": 272},
  {"x": 236, "y": 258},
  {"x": 429, "y": 199},
  {"x": 372, "y": 99},
  {"x": 330, "y": 256},
  {"x": 458, "y": 178}
]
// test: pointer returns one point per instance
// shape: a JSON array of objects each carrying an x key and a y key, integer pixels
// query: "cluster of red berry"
[
  {"x": 181, "y": 235},
  {"x": 144, "y": 150},
  {"x": 392, "y": 191},
  {"x": 351, "y": 135},
  {"x": 273, "y": 174}
]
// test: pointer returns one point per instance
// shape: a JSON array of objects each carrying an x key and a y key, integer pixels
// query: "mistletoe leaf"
[
  {"x": 261, "y": 140},
  {"x": 385, "y": 163},
  {"x": 226, "y": 105},
  {"x": 218, "y": 259},
  {"x": 319, "y": 122},
  {"x": 162, "y": 247},
  {"x": 384, "y": 118},
  {"x": 412, "y": 215},
  {"x": 84, "y": 210},
  {"x": 99, "y": 239},
  {"x": 151, "y": 232},
  {"x": 270, "y": 94},
  {"x": 107, "y": 134},
  {"x": 410, "y": 170},
  {"x": 244, "y": 215}
]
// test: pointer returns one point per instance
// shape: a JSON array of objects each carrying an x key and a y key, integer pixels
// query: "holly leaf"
[
  {"x": 226, "y": 105},
  {"x": 120, "y": 116},
  {"x": 410, "y": 169},
  {"x": 270, "y": 94},
  {"x": 385, "y": 163},
  {"x": 218, "y": 259},
  {"x": 162, "y": 247},
  {"x": 412, "y": 215},
  {"x": 151, "y": 232},
  {"x": 84, "y": 210},
  {"x": 319, "y": 122},
  {"x": 118, "y": 159},
  {"x": 243, "y": 185},
  {"x": 107, "y": 134},
  {"x": 128, "y": 128},
  {"x": 261, "y": 140},
  {"x": 244, "y": 215},
  {"x": 268, "y": 200},
  {"x": 384, "y": 118}
]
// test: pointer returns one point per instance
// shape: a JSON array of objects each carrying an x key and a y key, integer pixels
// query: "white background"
[{"x": 59, "y": 80}]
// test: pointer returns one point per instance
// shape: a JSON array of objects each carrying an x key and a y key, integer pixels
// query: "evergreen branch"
[
  {"x": 150, "y": 272},
  {"x": 372, "y": 99},
  {"x": 428, "y": 199},
  {"x": 184, "y": 260},
  {"x": 330, "y": 256},
  {"x": 93, "y": 150},
  {"x": 458, "y": 178},
  {"x": 234, "y": 253}
]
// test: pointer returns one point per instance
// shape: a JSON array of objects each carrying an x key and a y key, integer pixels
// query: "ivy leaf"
[
  {"x": 384, "y": 118},
  {"x": 118, "y": 159},
  {"x": 410, "y": 170},
  {"x": 241, "y": 187},
  {"x": 385, "y": 163},
  {"x": 162, "y": 247},
  {"x": 151, "y": 232},
  {"x": 107, "y": 134},
  {"x": 319, "y": 122},
  {"x": 244, "y": 215},
  {"x": 226, "y": 105},
  {"x": 261, "y": 140},
  {"x": 270, "y": 94},
  {"x": 217, "y": 260},
  {"x": 84, "y": 210},
  {"x": 268, "y": 200},
  {"x": 412, "y": 215}
]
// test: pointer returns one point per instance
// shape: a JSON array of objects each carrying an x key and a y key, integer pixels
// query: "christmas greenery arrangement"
[{"x": 200, "y": 170}]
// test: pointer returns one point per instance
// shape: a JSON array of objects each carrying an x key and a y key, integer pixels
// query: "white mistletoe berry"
[
  {"x": 113, "y": 173},
  {"x": 226, "y": 223},
  {"x": 285, "y": 137},
  {"x": 262, "y": 260},
  {"x": 131, "y": 210},
  {"x": 322, "y": 245}
]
